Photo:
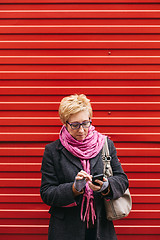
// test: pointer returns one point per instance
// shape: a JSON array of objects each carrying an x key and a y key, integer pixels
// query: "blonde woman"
[{"x": 77, "y": 203}]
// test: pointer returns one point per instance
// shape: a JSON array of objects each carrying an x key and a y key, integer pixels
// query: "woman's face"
[{"x": 80, "y": 117}]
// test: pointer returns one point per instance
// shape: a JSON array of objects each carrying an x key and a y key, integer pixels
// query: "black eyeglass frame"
[{"x": 79, "y": 124}]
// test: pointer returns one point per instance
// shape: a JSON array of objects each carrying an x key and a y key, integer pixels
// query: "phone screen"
[{"x": 99, "y": 177}]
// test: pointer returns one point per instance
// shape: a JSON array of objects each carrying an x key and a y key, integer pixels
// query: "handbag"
[{"x": 120, "y": 207}]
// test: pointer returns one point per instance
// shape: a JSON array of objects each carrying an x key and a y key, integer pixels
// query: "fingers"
[
  {"x": 83, "y": 175},
  {"x": 95, "y": 187},
  {"x": 99, "y": 182}
]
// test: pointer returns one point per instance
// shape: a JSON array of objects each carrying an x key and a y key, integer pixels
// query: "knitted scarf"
[{"x": 84, "y": 150}]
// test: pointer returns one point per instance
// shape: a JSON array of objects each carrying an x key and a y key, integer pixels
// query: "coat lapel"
[
  {"x": 75, "y": 160},
  {"x": 94, "y": 161}
]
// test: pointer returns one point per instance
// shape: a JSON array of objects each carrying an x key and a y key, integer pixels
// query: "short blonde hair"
[{"x": 74, "y": 104}]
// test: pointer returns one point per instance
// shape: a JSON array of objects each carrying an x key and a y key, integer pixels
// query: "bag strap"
[
  {"x": 106, "y": 158},
  {"x": 105, "y": 148}
]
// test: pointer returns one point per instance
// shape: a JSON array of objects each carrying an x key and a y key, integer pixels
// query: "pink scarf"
[{"x": 84, "y": 150}]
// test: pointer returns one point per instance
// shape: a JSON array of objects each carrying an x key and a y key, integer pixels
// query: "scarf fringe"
[{"x": 89, "y": 211}]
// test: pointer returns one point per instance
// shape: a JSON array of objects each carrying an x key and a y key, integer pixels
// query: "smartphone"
[{"x": 99, "y": 177}]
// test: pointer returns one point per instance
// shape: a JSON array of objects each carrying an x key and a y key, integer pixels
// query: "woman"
[{"x": 77, "y": 205}]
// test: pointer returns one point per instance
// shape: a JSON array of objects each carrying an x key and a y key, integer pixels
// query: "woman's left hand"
[{"x": 102, "y": 185}]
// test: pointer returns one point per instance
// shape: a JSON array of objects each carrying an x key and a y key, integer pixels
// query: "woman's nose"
[{"x": 81, "y": 129}]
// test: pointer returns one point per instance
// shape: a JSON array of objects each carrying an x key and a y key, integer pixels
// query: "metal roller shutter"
[{"x": 108, "y": 50}]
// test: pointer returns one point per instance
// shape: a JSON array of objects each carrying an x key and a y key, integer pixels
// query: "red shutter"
[{"x": 107, "y": 49}]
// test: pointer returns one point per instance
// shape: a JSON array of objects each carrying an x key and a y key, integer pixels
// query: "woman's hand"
[
  {"x": 81, "y": 179},
  {"x": 103, "y": 185}
]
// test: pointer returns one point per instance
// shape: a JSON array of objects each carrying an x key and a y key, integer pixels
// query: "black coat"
[{"x": 59, "y": 168}]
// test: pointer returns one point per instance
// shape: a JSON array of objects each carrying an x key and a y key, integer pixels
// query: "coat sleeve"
[
  {"x": 54, "y": 193},
  {"x": 119, "y": 181}
]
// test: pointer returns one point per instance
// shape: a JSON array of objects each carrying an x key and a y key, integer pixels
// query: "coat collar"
[{"x": 75, "y": 160}]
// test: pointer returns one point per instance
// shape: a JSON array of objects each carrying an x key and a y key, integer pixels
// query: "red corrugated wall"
[{"x": 108, "y": 50}]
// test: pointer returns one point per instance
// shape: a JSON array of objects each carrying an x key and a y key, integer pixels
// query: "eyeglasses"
[{"x": 76, "y": 125}]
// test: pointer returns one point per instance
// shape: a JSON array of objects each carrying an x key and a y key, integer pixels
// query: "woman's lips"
[{"x": 80, "y": 136}]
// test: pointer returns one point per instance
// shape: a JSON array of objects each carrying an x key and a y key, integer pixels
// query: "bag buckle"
[{"x": 108, "y": 158}]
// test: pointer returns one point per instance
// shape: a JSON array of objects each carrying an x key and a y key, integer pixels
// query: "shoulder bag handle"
[{"x": 106, "y": 158}]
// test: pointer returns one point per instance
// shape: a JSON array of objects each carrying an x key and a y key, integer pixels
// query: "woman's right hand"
[{"x": 81, "y": 179}]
